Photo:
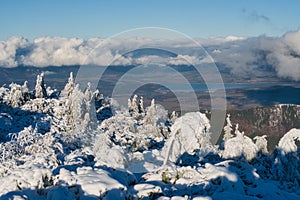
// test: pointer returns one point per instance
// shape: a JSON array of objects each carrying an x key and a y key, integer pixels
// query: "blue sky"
[{"x": 103, "y": 18}]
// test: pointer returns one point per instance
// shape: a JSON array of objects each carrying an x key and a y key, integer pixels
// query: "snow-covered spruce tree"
[
  {"x": 64, "y": 110},
  {"x": 40, "y": 88},
  {"x": 25, "y": 91},
  {"x": 69, "y": 87},
  {"x": 228, "y": 129},
  {"x": 78, "y": 109},
  {"x": 189, "y": 133},
  {"x": 155, "y": 114},
  {"x": 153, "y": 123},
  {"x": 151, "y": 114},
  {"x": 141, "y": 105},
  {"x": 286, "y": 160},
  {"x": 89, "y": 118},
  {"x": 89, "y": 99},
  {"x": 238, "y": 146},
  {"x": 136, "y": 107}
]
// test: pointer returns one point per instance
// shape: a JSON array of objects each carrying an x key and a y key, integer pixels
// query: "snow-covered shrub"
[
  {"x": 107, "y": 153},
  {"x": 152, "y": 122},
  {"x": 123, "y": 130},
  {"x": 262, "y": 143},
  {"x": 41, "y": 105},
  {"x": 26, "y": 177},
  {"x": 17, "y": 95},
  {"x": 238, "y": 146},
  {"x": 188, "y": 133},
  {"x": 137, "y": 132},
  {"x": 27, "y": 145},
  {"x": 286, "y": 163},
  {"x": 19, "y": 142},
  {"x": 287, "y": 143}
]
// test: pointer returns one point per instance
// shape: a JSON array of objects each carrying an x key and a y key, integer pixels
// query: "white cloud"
[
  {"x": 54, "y": 51},
  {"x": 241, "y": 55},
  {"x": 8, "y": 50},
  {"x": 187, "y": 60},
  {"x": 284, "y": 54}
]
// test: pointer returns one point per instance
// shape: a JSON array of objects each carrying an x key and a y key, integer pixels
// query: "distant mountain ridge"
[{"x": 273, "y": 121}]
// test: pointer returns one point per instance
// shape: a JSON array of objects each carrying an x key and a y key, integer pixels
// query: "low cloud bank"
[{"x": 239, "y": 54}]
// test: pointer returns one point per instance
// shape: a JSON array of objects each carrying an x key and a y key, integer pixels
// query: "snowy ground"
[{"x": 53, "y": 146}]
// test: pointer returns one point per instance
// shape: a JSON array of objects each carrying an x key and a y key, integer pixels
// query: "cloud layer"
[{"x": 240, "y": 55}]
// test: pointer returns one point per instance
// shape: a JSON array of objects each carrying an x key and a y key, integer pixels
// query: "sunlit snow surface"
[{"x": 54, "y": 147}]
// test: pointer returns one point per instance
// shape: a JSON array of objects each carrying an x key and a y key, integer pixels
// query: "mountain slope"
[{"x": 58, "y": 145}]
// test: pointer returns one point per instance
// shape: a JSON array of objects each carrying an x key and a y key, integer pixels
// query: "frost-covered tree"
[
  {"x": 141, "y": 106},
  {"x": 64, "y": 111},
  {"x": 134, "y": 104},
  {"x": 40, "y": 89},
  {"x": 25, "y": 91},
  {"x": 189, "y": 133},
  {"x": 153, "y": 121},
  {"x": 155, "y": 114},
  {"x": 173, "y": 117},
  {"x": 88, "y": 94},
  {"x": 240, "y": 145},
  {"x": 90, "y": 110},
  {"x": 228, "y": 129},
  {"x": 151, "y": 114},
  {"x": 136, "y": 107},
  {"x": 77, "y": 107},
  {"x": 69, "y": 87},
  {"x": 26, "y": 144},
  {"x": 262, "y": 144}
]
